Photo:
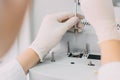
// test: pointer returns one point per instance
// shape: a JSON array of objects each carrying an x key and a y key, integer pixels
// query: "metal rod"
[
  {"x": 76, "y": 6},
  {"x": 87, "y": 48},
  {"x": 76, "y": 11},
  {"x": 53, "y": 57},
  {"x": 68, "y": 48}
]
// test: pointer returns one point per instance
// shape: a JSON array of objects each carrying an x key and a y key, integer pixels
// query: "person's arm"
[
  {"x": 28, "y": 59},
  {"x": 110, "y": 51},
  {"x": 51, "y": 31},
  {"x": 100, "y": 14},
  {"x": 56, "y": 27},
  {"x": 11, "y": 18}
]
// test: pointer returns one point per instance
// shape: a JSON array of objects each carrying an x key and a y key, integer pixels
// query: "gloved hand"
[
  {"x": 100, "y": 14},
  {"x": 53, "y": 28}
]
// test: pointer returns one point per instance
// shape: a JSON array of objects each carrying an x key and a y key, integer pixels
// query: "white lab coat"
[
  {"x": 12, "y": 71},
  {"x": 110, "y": 71}
]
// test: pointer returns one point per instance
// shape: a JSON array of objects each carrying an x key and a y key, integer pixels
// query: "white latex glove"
[
  {"x": 100, "y": 14},
  {"x": 53, "y": 28}
]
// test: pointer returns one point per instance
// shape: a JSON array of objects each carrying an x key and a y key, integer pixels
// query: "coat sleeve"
[
  {"x": 12, "y": 71},
  {"x": 110, "y": 71}
]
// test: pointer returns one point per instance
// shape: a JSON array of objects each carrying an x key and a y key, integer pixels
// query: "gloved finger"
[
  {"x": 72, "y": 30},
  {"x": 80, "y": 25},
  {"x": 71, "y": 22},
  {"x": 62, "y": 17}
]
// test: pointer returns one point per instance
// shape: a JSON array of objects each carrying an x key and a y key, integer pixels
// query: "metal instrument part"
[
  {"x": 53, "y": 57},
  {"x": 76, "y": 11},
  {"x": 116, "y": 3},
  {"x": 86, "y": 50},
  {"x": 91, "y": 64}
]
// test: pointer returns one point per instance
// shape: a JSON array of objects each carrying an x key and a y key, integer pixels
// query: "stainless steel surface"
[
  {"x": 116, "y": 3},
  {"x": 53, "y": 57},
  {"x": 65, "y": 68}
]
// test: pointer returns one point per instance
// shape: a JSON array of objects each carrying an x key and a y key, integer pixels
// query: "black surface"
[{"x": 97, "y": 57}]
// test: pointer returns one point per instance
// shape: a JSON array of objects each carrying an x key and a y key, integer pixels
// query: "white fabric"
[
  {"x": 12, "y": 71},
  {"x": 110, "y": 71},
  {"x": 51, "y": 32},
  {"x": 100, "y": 14}
]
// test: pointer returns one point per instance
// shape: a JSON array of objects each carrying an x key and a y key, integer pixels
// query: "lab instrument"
[{"x": 80, "y": 63}]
